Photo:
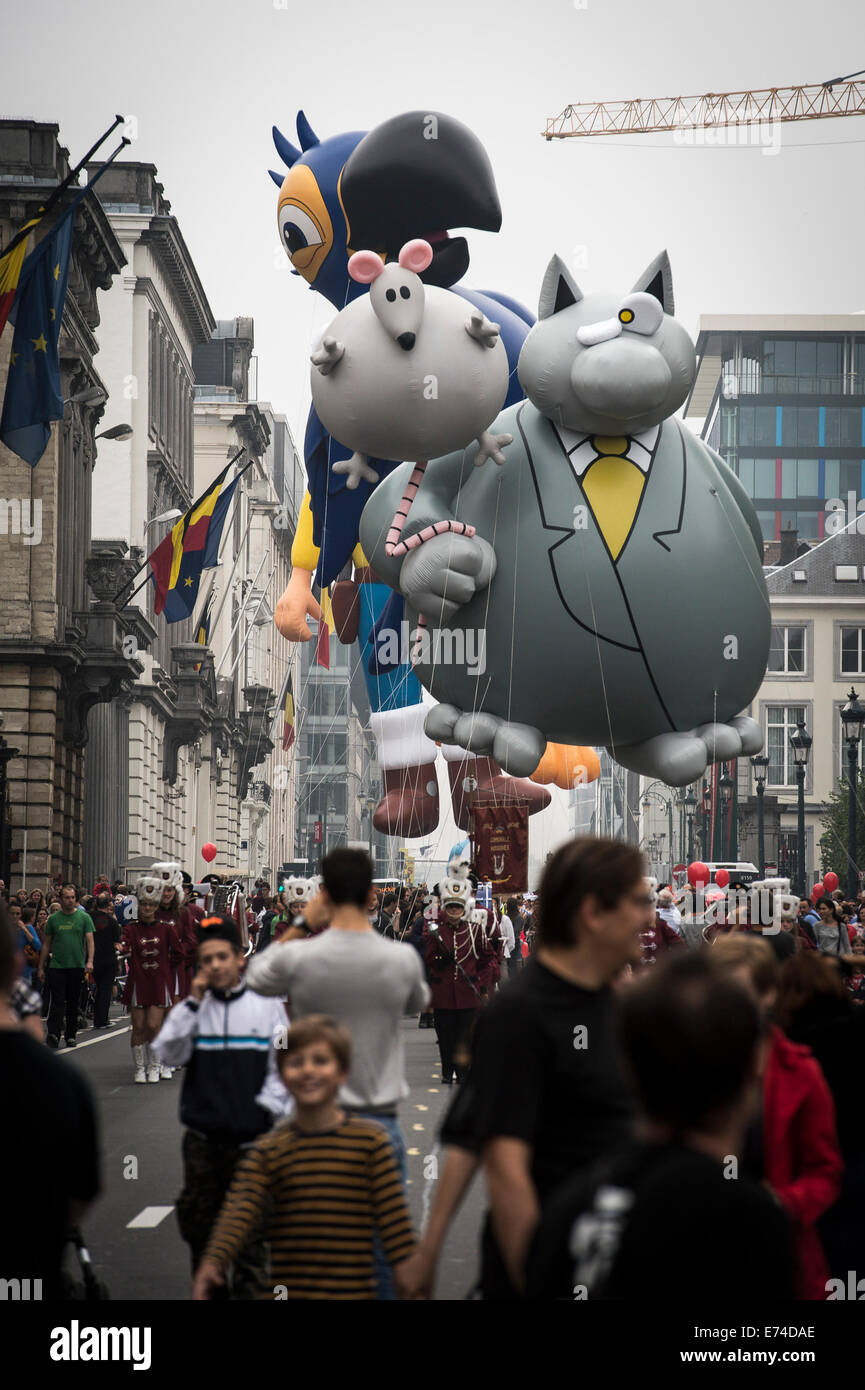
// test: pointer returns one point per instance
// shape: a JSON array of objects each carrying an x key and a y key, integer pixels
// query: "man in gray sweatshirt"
[{"x": 366, "y": 982}]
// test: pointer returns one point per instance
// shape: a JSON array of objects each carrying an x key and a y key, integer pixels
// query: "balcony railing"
[{"x": 755, "y": 383}]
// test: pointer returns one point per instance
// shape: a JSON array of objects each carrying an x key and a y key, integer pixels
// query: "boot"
[
  {"x": 410, "y": 805},
  {"x": 138, "y": 1059},
  {"x": 469, "y": 774},
  {"x": 165, "y": 1072},
  {"x": 152, "y": 1063},
  {"x": 408, "y": 808}
]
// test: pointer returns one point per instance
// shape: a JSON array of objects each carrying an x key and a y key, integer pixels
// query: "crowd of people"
[{"x": 640, "y": 1100}]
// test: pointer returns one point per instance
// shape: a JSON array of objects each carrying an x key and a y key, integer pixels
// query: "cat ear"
[
  {"x": 657, "y": 280},
  {"x": 559, "y": 289}
]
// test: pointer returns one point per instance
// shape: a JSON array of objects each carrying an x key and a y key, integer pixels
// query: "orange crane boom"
[{"x": 645, "y": 115}]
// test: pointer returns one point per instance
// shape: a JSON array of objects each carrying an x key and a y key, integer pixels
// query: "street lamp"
[
  {"x": 725, "y": 787},
  {"x": 800, "y": 743},
  {"x": 760, "y": 764},
  {"x": 665, "y": 801},
  {"x": 173, "y": 514},
  {"x": 852, "y": 718},
  {"x": 116, "y": 432},
  {"x": 690, "y": 804},
  {"x": 706, "y": 810}
]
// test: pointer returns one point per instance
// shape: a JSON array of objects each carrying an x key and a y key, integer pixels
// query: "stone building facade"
[{"x": 61, "y": 648}]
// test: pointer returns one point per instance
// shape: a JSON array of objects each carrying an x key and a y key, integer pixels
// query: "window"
[
  {"x": 800, "y": 424},
  {"x": 787, "y": 651},
  {"x": 327, "y": 749},
  {"x": 331, "y": 795},
  {"x": 746, "y": 476},
  {"x": 828, "y": 363},
  {"x": 764, "y": 477},
  {"x": 804, "y": 365},
  {"x": 843, "y": 476},
  {"x": 851, "y": 651},
  {"x": 767, "y": 525},
  {"x": 805, "y": 522},
  {"x": 326, "y": 701},
  {"x": 799, "y": 478},
  {"x": 844, "y": 425},
  {"x": 781, "y": 721}
]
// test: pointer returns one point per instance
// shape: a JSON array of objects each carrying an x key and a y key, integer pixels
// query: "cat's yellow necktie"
[{"x": 613, "y": 487}]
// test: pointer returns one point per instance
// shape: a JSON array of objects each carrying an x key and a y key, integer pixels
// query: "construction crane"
[{"x": 645, "y": 115}]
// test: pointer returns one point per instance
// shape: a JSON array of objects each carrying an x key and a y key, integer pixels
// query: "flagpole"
[
  {"x": 218, "y": 614},
  {"x": 61, "y": 187},
  {"x": 247, "y": 597},
  {"x": 250, "y": 621},
  {"x": 208, "y": 597},
  {"x": 191, "y": 508},
  {"x": 145, "y": 580}
]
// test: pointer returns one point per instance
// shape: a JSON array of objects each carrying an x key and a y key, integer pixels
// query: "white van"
[{"x": 739, "y": 871}]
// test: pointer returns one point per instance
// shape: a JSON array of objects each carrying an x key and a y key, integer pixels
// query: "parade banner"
[{"x": 501, "y": 840}]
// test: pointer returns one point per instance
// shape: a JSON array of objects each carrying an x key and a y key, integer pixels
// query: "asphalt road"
[{"x": 131, "y": 1231}]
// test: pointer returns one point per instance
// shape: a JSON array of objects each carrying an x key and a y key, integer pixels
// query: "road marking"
[
  {"x": 91, "y": 1042},
  {"x": 417, "y": 1126},
  {"x": 413, "y": 1153},
  {"x": 148, "y": 1218},
  {"x": 421, "y": 1107}
]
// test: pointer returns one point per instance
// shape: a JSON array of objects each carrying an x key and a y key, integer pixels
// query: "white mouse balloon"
[{"x": 408, "y": 371}]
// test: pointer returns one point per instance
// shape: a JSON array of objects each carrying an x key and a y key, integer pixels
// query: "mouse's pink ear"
[
  {"x": 416, "y": 255},
  {"x": 365, "y": 266}
]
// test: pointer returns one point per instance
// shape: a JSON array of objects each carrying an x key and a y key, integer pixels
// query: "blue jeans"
[{"x": 384, "y": 1289}]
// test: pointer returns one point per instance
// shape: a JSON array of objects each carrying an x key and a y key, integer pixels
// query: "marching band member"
[
  {"x": 153, "y": 948},
  {"x": 458, "y": 954}
]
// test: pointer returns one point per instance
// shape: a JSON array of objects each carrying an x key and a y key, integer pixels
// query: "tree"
[{"x": 833, "y": 841}]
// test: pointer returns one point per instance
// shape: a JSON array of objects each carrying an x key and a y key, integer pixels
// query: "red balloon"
[
  {"x": 697, "y": 873},
  {"x": 817, "y": 892},
  {"x": 830, "y": 881},
  {"x": 722, "y": 878},
  {"x": 208, "y": 852}
]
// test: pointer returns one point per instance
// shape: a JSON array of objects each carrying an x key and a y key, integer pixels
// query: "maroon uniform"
[
  {"x": 184, "y": 924},
  {"x": 657, "y": 938},
  {"x": 151, "y": 949},
  {"x": 473, "y": 952},
  {"x": 492, "y": 970},
  {"x": 458, "y": 961}
]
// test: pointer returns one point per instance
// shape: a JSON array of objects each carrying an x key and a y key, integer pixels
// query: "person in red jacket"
[
  {"x": 801, "y": 1160},
  {"x": 458, "y": 954}
]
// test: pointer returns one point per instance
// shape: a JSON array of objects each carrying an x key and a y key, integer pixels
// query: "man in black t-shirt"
[
  {"x": 673, "y": 1203},
  {"x": 51, "y": 1108},
  {"x": 547, "y": 1093}
]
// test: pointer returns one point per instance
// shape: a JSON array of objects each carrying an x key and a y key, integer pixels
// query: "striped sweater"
[{"x": 321, "y": 1196}]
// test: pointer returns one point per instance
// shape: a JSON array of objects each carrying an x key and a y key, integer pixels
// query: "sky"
[{"x": 748, "y": 229}]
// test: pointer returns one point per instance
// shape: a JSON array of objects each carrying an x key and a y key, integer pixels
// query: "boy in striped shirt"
[{"x": 322, "y": 1182}]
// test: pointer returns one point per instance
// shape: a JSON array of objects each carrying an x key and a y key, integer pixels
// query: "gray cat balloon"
[
  {"x": 613, "y": 565},
  {"x": 406, "y": 372}
]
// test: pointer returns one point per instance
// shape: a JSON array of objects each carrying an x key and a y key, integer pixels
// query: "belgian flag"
[
  {"x": 202, "y": 632},
  {"x": 11, "y": 262},
  {"x": 191, "y": 545}
]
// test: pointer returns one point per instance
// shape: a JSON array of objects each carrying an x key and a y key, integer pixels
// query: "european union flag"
[{"x": 34, "y": 394}]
